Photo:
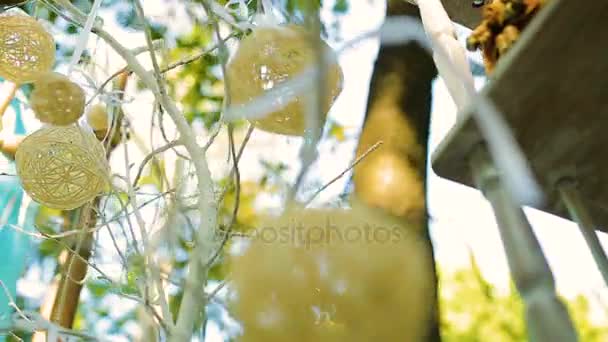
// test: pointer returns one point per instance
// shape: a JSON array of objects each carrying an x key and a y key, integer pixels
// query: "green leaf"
[
  {"x": 174, "y": 303},
  {"x": 49, "y": 248},
  {"x": 337, "y": 131},
  {"x": 217, "y": 272},
  {"x": 341, "y": 6},
  {"x": 154, "y": 176},
  {"x": 98, "y": 288}
]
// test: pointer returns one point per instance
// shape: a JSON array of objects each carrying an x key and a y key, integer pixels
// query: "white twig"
[
  {"x": 314, "y": 105},
  {"x": 193, "y": 300},
  {"x": 33, "y": 321},
  {"x": 193, "y": 294},
  {"x": 141, "y": 49},
  {"x": 350, "y": 167},
  {"x": 151, "y": 270},
  {"x": 84, "y": 36},
  {"x": 225, "y": 16},
  {"x": 152, "y": 155},
  {"x": 273, "y": 99}
]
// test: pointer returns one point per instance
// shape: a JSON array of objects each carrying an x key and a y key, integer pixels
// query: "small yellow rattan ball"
[
  {"x": 62, "y": 167},
  {"x": 270, "y": 56},
  {"x": 26, "y": 49},
  {"x": 56, "y": 100},
  {"x": 97, "y": 117}
]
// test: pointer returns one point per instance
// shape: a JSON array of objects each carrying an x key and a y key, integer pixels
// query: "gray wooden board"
[
  {"x": 553, "y": 90},
  {"x": 463, "y": 12}
]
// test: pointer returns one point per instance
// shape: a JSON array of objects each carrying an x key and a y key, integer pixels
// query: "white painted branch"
[
  {"x": 193, "y": 300},
  {"x": 83, "y": 38},
  {"x": 440, "y": 31}
]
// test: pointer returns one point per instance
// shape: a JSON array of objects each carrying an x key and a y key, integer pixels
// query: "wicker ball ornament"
[
  {"x": 56, "y": 100},
  {"x": 26, "y": 49},
  {"x": 97, "y": 117},
  {"x": 334, "y": 275},
  {"x": 62, "y": 167},
  {"x": 270, "y": 56}
]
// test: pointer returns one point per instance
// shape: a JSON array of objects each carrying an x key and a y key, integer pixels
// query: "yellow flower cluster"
[{"x": 503, "y": 20}]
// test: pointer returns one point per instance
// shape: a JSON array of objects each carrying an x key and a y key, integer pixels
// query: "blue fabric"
[{"x": 14, "y": 246}]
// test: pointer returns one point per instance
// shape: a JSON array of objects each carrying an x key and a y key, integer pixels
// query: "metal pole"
[
  {"x": 579, "y": 213},
  {"x": 546, "y": 316}
]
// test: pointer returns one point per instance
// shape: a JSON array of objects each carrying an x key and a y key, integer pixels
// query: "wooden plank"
[
  {"x": 459, "y": 11},
  {"x": 553, "y": 89},
  {"x": 463, "y": 12}
]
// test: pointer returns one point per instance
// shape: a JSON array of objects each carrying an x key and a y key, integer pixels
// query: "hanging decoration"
[
  {"x": 503, "y": 21},
  {"x": 56, "y": 100},
  {"x": 62, "y": 167},
  {"x": 331, "y": 275},
  {"x": 97, "y": 117},
  {"x": 273, "y": 54},
  {"x": 26, "y": 48}
]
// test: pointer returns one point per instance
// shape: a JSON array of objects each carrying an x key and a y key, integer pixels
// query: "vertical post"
[
  {"x": 573, "y": 201},
  {"x": 546, "y": 316}
]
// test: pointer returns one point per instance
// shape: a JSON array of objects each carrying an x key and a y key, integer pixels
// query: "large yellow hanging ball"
[
  {"x": 334, "y": 275},
  {"x": 56, "y": 100},
  {"x": 26, "y": 49},
  {"x": 270, "y": 56},
  {"x": 62, "y": 167}
]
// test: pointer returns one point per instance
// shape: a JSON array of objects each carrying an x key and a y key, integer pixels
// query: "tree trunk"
[{"x": 393, "y": 177}]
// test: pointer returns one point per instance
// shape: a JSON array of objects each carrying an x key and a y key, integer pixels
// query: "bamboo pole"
[
  {"x": 71, "y": 282},
  {"x": 546, "y": 316}
]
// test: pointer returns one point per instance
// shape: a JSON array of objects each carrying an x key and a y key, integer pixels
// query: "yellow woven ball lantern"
[
  {"x": 97, "y": 117},
  {"x": 334, "y": 275},
  {"x": 62, "y": 167},
  {"x": 56, "y": 100},
  {"x": 26, "y": 49},
  {"x": 269, "y": 56}
]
